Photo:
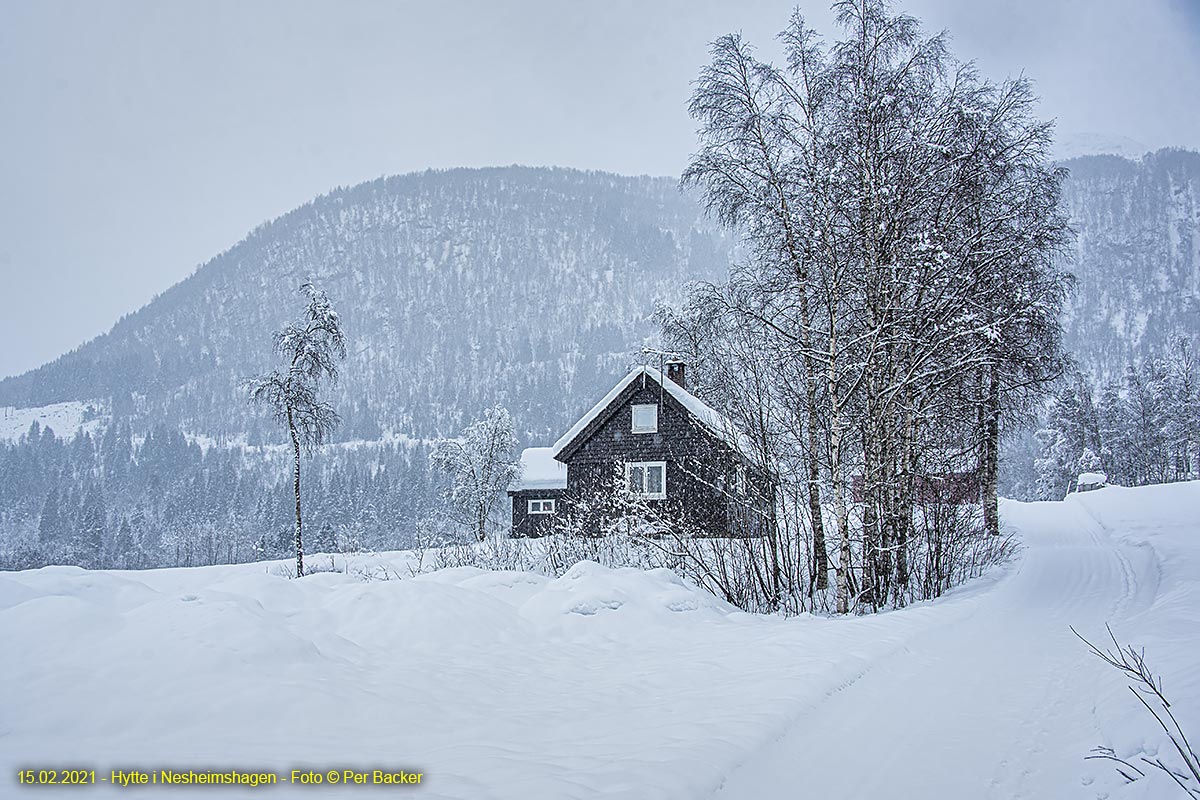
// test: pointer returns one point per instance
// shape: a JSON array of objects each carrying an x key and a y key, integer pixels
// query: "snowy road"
[{"x": 986, "y": 705}]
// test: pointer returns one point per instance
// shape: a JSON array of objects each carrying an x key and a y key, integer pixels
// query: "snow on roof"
[
  {"x": 539, "y": 470},
  {"x": 1092, "y": 479},
  {"x": 715, "y": 421}
]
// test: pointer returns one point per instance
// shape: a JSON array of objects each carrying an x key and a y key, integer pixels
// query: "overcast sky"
[{"x": 138, "y": 139}]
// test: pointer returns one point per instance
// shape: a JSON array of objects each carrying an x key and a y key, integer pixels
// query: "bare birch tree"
[
  {"x": 903, "y": 231},
  {"x": 311, "y": 348}
]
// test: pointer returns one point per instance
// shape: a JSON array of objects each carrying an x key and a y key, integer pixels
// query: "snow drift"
[{"x": 613, "y": 682}]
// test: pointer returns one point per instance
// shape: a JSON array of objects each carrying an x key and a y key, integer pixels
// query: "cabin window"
[
  {"x": 645, "y": 419},
  {"x": 739, "y": 479},
  {"x": 647, "y": 479},
  {"x": 541, "y": 506}
]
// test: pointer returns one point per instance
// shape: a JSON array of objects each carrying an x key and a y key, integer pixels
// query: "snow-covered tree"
[
  {"x": 481, "y": 465},
  {"x": 1142, "y": 428},
  {"x": 150, "y": 543},
  {"x": 903, "y": 234},
  {"x": 1072, "y": 427},
  {"x": 326, "y": 541},
  {"x": 88, "y": 543},
  {"x": 123, "y": 546},
  {"x": 50, "y": 524},
  {"x": 1089, "y": 461},
  {"x": 311, "y": 349},
  {"x": 1181, "y": 367}
]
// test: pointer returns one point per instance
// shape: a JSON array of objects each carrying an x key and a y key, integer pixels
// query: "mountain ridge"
[
  {"x": 350, "y": 238},
  {"x": 1107, "y": 252}
]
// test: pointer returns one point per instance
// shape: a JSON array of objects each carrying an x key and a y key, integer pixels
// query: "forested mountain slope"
[
  {"x": 457, "y": 289},
  {"x": 528, "y": 286},
  {"x": 1138, "y": 256}
]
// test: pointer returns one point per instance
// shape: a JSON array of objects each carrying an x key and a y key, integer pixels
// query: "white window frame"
[
  {"x": 633, "y": 426},
  {"x": 739, "y": 479},
  {"x": 645, "y": 467},
  {"x": 542, "y": 505}
]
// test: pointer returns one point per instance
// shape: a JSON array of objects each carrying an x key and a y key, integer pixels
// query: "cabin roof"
[
  {"x": 539, "y": 470},
  {"x": 712, "y": 420}
]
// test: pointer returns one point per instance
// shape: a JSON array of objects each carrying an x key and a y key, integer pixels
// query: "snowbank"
[
  {"x": 620, "y": 683},
  {"x": 1160, "y": 524},
  {"x": 605, "y": 682}
]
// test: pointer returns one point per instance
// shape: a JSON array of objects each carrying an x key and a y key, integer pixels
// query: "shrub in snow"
[{"x": 1147, "y": 687}]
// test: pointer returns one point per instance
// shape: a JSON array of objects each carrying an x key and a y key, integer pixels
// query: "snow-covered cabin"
[{"x": 653, "y": 437}]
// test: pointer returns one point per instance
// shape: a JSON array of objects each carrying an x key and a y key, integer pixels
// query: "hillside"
[
  {"x": 1137, "y": 255},
  {"x": 535, "y": 284},
  {"x": 457, "y": 289}
]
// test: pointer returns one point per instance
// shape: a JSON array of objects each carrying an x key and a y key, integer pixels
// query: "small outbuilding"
[
  {"x": 537, "y": 494},
  {"x": 1090, "y": 481}
]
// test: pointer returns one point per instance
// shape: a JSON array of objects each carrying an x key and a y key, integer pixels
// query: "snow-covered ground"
[
  {"x": 66, "y": 419},
  {"x": 615, "y": 683},
  {"x": 1001, "y": 700}
]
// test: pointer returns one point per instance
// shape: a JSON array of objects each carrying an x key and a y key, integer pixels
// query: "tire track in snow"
[{"x": 993, "y": 703}]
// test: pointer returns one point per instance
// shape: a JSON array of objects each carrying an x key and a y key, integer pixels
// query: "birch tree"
[
  {"x": 481, "y": 465},
  {"x": 311, "y": 348},
  {"x": 753, "y": 177},
  {"x": 904, "y": 236}
]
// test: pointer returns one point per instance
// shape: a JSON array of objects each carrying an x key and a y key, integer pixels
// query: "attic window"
[
  {"x": 645, "y": 419},
  {"x": 647, "y": 479}
]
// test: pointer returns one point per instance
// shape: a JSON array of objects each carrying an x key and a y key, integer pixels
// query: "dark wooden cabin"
[
  {"x": 662, "y": 444},
  {"x": 960, "y": 488}
]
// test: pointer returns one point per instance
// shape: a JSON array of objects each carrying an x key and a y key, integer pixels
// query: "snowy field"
[
  {"x": 615, "y": 683},
  {"x": 65, "y": 418}
]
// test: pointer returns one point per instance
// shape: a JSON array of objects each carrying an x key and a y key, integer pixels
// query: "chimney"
[{"x": 675, "y": 372}]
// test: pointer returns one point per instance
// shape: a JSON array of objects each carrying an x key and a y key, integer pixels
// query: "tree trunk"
[
  {"x": 841, "y": 510},
  {"x": 991, "y": 455},
  {"x": 820, "y": 554},
  {"x": 908, "y": 471},
  {"x": 871, "y": 540},
  {"x": 872, "y": 494},
  {"x": 296, "y": 487}
]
